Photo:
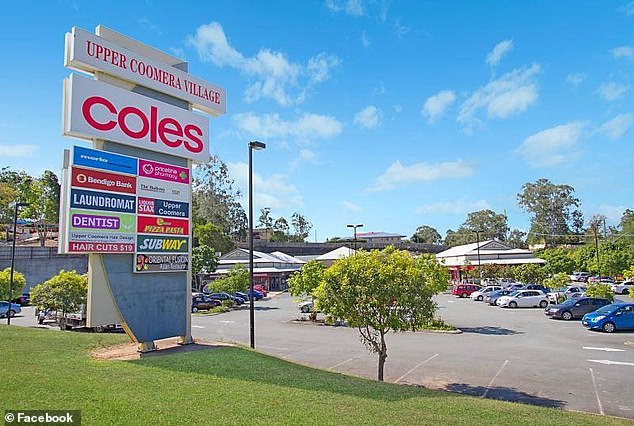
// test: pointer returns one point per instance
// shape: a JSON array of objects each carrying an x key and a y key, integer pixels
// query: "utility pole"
[{"x": 596, "y": 246}]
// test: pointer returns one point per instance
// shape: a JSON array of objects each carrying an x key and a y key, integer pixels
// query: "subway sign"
[{"x": 157, "y": 244}]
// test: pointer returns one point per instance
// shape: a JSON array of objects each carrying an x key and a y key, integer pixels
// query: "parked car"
[
  {"x": 23, "y": 300},
  {"x": 624, "y": 287},
  {"x": 610, "y": 318},
  {"x": 513, "y": 286},
  {"x": 536, "y": 287},
  {"x": 222, "y": 297},
  {"x": 306, "y": 307},
  {"x": 256, "y": 294},
  {"x": 464, "y": 290},
  {"x": 479, "y": 294},
  {"x": 12, "y": 311},
  {"x": 601, "y": 279},
  {"x": 203, "y": 303},
  {"x": 572, "y": 292},
  {"x": 524, "y": 299},
  {"x": 261, "y": 289},
  {"x": 242, "y": 295},
  {"x": 579, "y": 276},
  {"x": 575, "y": 308},
  {"x": 492, "y": 297}
]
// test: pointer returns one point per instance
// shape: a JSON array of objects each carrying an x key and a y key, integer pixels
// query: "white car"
[
  {"x": 524, "y": 299},
  {"x": 480, "y": 294},
  {"x": 624, "y": 287},
  {"x": 572, "y": 292}
]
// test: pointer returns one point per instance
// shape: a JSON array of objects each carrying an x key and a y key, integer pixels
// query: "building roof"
[
  {"x": 370, "y": 235},
  {"x": 490, "y": 252},
  {"x": 240, "y": 255},
  {"x": 337, "y": 253},
  {"x": 287, "y": 257}
]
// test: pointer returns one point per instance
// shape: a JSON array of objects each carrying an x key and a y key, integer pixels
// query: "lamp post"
[
  {"x": 355, "y": 233},
  {"x": 15, "y": 222},
  {"x": 253, "y": 145}
]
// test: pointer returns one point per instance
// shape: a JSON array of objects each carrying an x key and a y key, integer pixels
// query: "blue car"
[
  {"x": 609, "y": 318},
  {"x": 4, "y": 307},
  {"x": 256, "y": 295}
]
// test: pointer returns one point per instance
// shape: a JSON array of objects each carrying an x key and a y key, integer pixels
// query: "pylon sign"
[{"x": 126, "y": 201}]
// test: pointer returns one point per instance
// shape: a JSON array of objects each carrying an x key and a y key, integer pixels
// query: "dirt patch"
[{"x": 129, "y": 351}]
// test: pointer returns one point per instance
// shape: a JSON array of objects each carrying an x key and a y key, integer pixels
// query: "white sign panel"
[
  {"x": 162, "y": 189},
  {"x": 88, "y": 52},
  {"x": 93, "y": 109}
]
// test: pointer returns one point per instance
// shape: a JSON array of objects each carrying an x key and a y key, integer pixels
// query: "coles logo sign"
[
  {"x": 93, "y": 109},
  {"x": 94, "y": 179}
]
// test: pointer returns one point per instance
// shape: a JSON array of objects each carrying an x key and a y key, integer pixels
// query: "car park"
[
  {"x": 479, "y": 294},
  {"x": 492, "y": 297},
  {"x": 524, "y": 299},
  {"x": 611, "y": 318},
  {"x": 11, "y": 311},
  {"x": 575, "y": 308},
  {"x": 464, "y": 290},
  {"x": 624, "y": 287}
]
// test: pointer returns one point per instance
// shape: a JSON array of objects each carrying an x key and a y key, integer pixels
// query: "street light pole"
[
  {"x": 253, "y": 145},
  {"x": 15, "y": 222},
  {"x": 355, "y": 233}
]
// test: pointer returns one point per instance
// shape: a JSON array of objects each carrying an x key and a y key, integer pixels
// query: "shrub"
[{"x": 601, "y": 290}]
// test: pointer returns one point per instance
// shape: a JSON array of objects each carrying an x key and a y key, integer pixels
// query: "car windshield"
[
  {"x": 606, "y": 309},
  {"x": 514, "y": 293}
]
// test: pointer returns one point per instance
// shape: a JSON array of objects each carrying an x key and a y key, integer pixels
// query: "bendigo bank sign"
[{"x": 98, "y": 110}]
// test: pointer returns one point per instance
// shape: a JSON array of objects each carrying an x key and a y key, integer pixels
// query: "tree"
[
  {"x": 280, "y": 230},
  {"x": 626, "y": 226},
  {"x": 382, "y": 291},
  {"x": 42, "y": 197},
  {"x": 211, "y": 235},
  {"x": 600, "y": 290},
  {"x": 204, "y": 260},
  {"x": 483, "y": 223},
  {"x": 557, "y": 281},
  {"x": 517, "y": 239},
  {"x": 301, "y": 225},
  {"x": 304, "y": 282},
  {"x": 557, "y": 260},
  {"x": 551, "y": 208},
  {"x": 265, "y": 220},
  {"x": 216, "y": 201},
  {"x": 5, "y": 280},
  {"x": 529, "y": 273},
  {"x": 427, "y": 235},
  {"x": 237, "y": 279},
  {"x": 63, "y": 293}
]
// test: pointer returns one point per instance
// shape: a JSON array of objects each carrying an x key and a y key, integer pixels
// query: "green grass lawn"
[{"x": 44, "y": 369}]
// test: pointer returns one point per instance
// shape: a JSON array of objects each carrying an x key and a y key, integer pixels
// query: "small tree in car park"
[
  {"x": 5, "y": 280},
  {"x": 382, "y": 291},
  {"x": 556, "y": 282},
  {"x": 601, "y": 290},
  {"x": 237, "y": 279},
  {"x": 628, "y": 274},
  {"x": 64, "y": 293},
  {"x": 304, "y": 282}
]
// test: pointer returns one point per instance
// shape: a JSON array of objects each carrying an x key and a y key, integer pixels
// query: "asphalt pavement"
[{"x": 510, "y": 354}]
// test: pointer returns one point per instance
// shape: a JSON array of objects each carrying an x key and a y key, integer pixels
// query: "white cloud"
[
  {"x": 575, "y": 79},
  {"x": 273, "y": 191},
  {"x": 616, "y": 127},
  {"x": 436, "y": 105},
  {"x": 365, "y": 41},
  {"x": 273, "y": 75},
  {"x": 304, "y": 156},
  {"x": 399, "y": 28},
  {"x": 349, "y": 7},
  {"x": 627, "y": 9},
  {"x": 500, "y": 49},
  {"x": 612, "y": 91},
  {"x": 305, "y": 127},
  {"x": 455, "y": 207},
  {"x": 17, "y": 151},
  {"x": 351, "y": 207},
  {"x": 368, "y": 118},
  {"x": 623, "y": 52},
  {"x": 552, "y": 146},
  {"x": 510, "y": 94},
  {"x": 398, "y": 175}
]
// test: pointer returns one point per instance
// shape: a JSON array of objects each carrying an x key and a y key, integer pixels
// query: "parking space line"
[
  {"x": 592, "y": 348},
  {"x": 596, "y": 392},
  {"x": 415, "y": 367},
  {"x": 486, "y": 391},
  {"x": 342, "y": 363}
]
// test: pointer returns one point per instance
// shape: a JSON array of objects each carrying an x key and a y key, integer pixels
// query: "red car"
[
  {"x": 261, "y": 289},
  {"x": 464, "y": 290}
]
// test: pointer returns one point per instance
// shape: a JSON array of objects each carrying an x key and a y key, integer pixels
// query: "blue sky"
[{"x": 391, "y": 114}]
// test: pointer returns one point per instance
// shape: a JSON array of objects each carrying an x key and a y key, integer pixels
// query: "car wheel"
[
  {"x": 194, "y": 309},
  {"x": 625, "y": 291},
  {"x": 479, "y": 298},
  {"x": 513, "y": 305},
  {"x": 11, "y": 313},
  {"x": 567, "y": 316},
  {"x": 543, "y": 304},
  {"x": 609, "y": 327},
  {"x": 463, "y": 295}
]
